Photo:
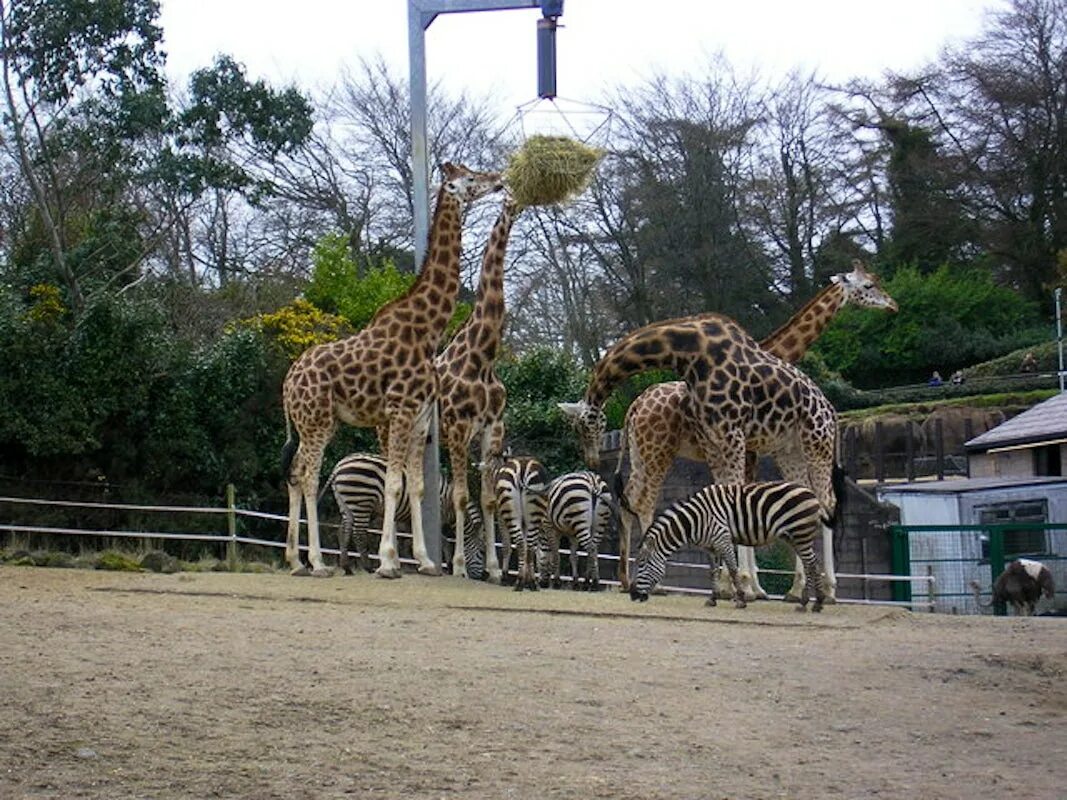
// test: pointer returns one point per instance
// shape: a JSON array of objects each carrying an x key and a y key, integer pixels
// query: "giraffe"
[
  {"x": 472, "y": 397},
  {"x": 659, "y": 425},
  {"x": 382, "y": 377},
  {"x": 739, "y": 395}
]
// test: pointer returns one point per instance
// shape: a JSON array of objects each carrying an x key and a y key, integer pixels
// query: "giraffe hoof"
[
  {"x": 430, "y": 569},
  {"x": 387, "y": 572},
  {"x": 322, "y": 572},
  {"x": 300, "y": 572},
  {"x": 710, "y": 601},
  {"x": 791, "y": 598}
]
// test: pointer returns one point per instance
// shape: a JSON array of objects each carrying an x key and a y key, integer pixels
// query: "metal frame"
[{"x": 421, "y": 14}]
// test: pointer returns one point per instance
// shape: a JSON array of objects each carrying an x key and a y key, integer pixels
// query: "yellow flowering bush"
[
  {"x": 47, "y": 305},
  {"x": 300, "y": 325}
]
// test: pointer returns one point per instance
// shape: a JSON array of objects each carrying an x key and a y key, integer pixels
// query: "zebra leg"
[
  {"x": 723, "y": 546},
  {"x": 813, "y": 585},
  {"x": 343, "y": 538},
  {"x": 575, "y": 585},
  {"x": 592, "y": 568}
]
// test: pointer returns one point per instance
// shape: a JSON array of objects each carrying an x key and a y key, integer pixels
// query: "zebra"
[
  {"x": 358, "y": 482},
  {"x": 721, "y": 515},
  {"x": 579, "y": 508},
  {"x": 520, "y": 498}
]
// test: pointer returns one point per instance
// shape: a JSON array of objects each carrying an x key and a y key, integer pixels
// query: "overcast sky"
[{"x": 602, "y": 43}]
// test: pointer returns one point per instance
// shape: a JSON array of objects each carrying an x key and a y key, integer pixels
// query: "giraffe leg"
[
  {"x": 401, "y": 429},
  {"x": 292, "y": 540},
  {"x": 311, "y": 494},
  {"x": 457, "y": 456},
  {"x": 417, "y": 489},
  {"x": 492, "y": 442}
]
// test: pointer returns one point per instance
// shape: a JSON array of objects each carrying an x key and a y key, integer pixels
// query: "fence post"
[
  {"x": 930, "y": 587},
  {"x": 996, "y": 562},
  {"x": 939, "y": 444},
  {"x": 901, "y": 563},
  {"x": 231, "y": 524},
  {"x": 909, "y": 452},
  {"x": 879, "y": 452}
]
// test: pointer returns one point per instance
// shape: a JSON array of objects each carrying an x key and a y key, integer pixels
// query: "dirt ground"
[{"x": 266, "y": 686}]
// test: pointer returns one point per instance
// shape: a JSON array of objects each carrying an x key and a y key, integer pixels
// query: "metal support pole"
[
  {"x": 1059, "y": 332},
  {"x": 421, "y": 14}
]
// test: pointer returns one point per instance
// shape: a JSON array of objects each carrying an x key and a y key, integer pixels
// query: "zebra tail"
[{"x": 292, "y": 442}]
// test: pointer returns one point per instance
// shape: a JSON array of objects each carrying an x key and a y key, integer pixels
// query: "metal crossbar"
[{"x": 232, "y": 539}]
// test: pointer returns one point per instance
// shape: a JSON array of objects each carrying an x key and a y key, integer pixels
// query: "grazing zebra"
[
  {"x": 358, "y": 482},
  {"x": 578, "y": 508},
  {"x": 520, "y": 498},
  {"x": 722, "y": 515}
]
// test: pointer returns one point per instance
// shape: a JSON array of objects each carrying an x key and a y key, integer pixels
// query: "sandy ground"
[{"x": 266, "y": 686}]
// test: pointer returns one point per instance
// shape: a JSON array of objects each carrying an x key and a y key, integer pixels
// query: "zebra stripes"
[
  {"x": 722, "y": 515},
  {"x": 358, "y": 482},
  {"x": 579, "y": 507},
  {"x": 520, "y": 484}
]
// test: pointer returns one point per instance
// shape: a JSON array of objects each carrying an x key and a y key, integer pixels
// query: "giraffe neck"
[
  {"x": 671, "y": 345},
  {"x": 488, "y": 313},
  {"x": 792, "y": 340},
  {"x": 433, "y": 295}
]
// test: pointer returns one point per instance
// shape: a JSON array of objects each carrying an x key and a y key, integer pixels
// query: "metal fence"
[
  {"x": 955, "y": 555},
  {"x": 227, "y": 544}
]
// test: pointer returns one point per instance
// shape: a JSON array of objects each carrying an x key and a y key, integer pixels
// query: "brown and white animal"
[
  {"x": 660, "y": 425},
  {"x": 383, "y": 377},
  {"x": 1021, "y": 584},
  {"x": 472, "y": 397},
  {"x": 740, "y": 397}
]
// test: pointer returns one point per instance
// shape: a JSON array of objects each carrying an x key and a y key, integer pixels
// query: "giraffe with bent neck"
[
  {"x": 382, "y": 377},
  {"x": 739, "y": 396},
  {"x": 660, "y": 425},
  {"x": 472, "y": 398}
]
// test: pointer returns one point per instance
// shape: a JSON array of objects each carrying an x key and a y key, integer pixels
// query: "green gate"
[{"x": 954, "y": 551}]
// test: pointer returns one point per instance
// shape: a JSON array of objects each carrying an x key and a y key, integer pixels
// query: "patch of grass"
[
  {"x": 925, "y": 408},
  {"x": 115, "y": 561}
]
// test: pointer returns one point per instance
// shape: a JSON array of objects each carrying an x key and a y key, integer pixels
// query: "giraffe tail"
[
  {"x": 835, "y": 519},
  {"x": 618, "y": 486},
  {"x": 292, "y": 442}
]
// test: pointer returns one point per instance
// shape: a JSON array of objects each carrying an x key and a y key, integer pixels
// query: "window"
[{"x": 1025, "y": 542}]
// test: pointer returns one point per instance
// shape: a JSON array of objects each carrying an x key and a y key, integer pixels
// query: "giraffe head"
[
  {"x": 862, "y": 288},
  {"x": 466, "y": 185},
  {"x": 590, "y": 423}
]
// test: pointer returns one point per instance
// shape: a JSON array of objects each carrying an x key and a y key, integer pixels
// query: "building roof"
[
  {"x": 970, "y": 485},
  {"x": 1037, "y": 425}
]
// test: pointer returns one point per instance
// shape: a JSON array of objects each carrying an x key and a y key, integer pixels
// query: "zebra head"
[{"x": 649, "y": 568}]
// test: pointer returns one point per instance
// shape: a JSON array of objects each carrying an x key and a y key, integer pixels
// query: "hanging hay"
[{"x": 550, "y": 169}]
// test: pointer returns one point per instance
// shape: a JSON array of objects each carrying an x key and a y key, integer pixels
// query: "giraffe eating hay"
[
  {"x": 740, "y": 396},
  {"x": 471, "y": 395},
  {"x": 660, "y": 426},
  {"x": 381, "y": 377}
]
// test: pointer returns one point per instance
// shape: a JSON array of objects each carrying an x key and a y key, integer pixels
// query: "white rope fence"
[{"x": 231, "y": 539}]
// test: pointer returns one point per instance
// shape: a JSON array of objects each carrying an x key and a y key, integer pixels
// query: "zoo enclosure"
[
  {"x": 235, "y": 518},
  {"x": 955, "y": 555}
]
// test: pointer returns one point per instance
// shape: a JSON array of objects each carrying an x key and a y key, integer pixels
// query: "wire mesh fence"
[{"x": 958, "y": 556}]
